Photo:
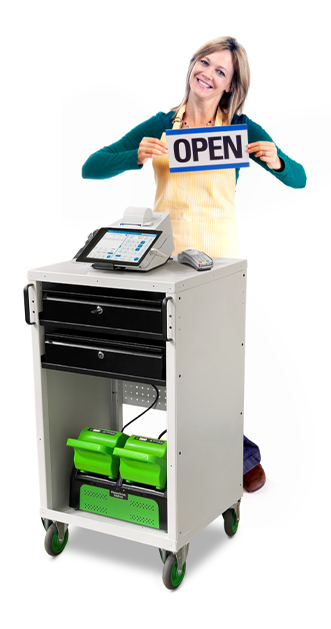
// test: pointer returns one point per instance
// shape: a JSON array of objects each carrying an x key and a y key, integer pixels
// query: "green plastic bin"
[
  {"x": 94, "y": 451},
  {"x": 143, "y": 460}
]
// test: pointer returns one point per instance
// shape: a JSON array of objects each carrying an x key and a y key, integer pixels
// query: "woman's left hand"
[{"x": 267, "y": 152}]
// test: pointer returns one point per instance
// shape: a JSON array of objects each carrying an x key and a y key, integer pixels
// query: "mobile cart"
[{"x": 101, "y": 340}]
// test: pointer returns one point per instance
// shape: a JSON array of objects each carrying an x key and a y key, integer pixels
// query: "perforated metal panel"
[
  {"x": 144, "y": 511},
  {"x": 139, "y": 394}
]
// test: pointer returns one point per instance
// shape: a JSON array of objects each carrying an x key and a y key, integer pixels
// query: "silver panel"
[
  {"x": 210, "y": 354},
  {"x": 139, "y": 394},
  {"x": 169, "y": 278}
]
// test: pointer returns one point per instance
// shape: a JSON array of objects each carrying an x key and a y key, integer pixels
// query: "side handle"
[
  {"x": 124, "y": 453},
  {"x": 90, "y": 447},
  {"x": 165, "y": 318},
  {"x": 26, "y": 305}
]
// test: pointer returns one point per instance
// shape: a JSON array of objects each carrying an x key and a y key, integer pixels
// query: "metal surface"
[
  {"x": 209, "y": 371},
  {"x": 170, "y": 278},
  {"x": 236, "y": 508},
  {"x": 61, "y": 529},
  {"x": 138, "y": 394},
  {"x": 98, "y": 310},
  {"x": 163, "y": 554},
  {"x": 181, "y": 557},
  {"x": 28, "y": 319},
  {"x": 167, "y": 328},
  {"x": 110, "y": 526}
]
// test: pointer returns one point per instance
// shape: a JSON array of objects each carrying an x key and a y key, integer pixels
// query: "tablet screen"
[{"x": 119, "y": 246}]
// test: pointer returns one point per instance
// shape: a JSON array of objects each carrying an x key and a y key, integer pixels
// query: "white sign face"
[{"x": 207, "y": 148}]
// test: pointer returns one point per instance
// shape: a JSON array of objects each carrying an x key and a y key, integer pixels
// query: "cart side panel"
[
  {"x": 41, "y": 400},
  {"x": 210, "y": 354},
  {"x": 171, "y": 435}
]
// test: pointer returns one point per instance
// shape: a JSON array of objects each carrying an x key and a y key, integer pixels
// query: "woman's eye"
[
  {"x": 204, "y": 62},
  {"x": 220, "y": 73}
]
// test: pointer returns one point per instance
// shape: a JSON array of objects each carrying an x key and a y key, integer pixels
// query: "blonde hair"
[{"x": 231, "y": 102}]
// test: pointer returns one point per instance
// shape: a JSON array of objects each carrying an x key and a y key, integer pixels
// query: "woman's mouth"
[{"x": 204, "y": 85}]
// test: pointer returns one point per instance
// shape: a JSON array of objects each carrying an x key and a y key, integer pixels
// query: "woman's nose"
[{"x": 206, "y": 76}]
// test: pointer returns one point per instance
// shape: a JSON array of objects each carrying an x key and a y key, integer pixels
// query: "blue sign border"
[
  {"x": 234, "y": 127},
  {"x": 218, "y": 167}
]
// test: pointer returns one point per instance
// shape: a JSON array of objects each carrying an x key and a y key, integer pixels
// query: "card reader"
[{"x": 199, "y": 260}]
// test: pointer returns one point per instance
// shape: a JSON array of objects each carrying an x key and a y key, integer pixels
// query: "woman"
[{"x": 201, "y": 204}]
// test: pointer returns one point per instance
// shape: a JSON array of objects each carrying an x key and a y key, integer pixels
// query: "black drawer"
[
  {"x": 133, "y": 313},
  {"x": 127, "y": 361}
]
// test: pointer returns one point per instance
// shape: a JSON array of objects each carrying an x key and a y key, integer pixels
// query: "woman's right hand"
[{"x": 149, "y": 148}]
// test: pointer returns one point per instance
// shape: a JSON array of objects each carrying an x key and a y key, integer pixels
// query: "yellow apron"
[{"x": 200, "y": 203}]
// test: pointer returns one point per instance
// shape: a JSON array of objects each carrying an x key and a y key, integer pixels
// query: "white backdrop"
[{"x": 78, "y": 75}]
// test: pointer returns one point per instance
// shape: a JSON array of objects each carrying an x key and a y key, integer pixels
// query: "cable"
[
  {"x": 162, "y": 433},
  {"x": 145, "y": 411}
]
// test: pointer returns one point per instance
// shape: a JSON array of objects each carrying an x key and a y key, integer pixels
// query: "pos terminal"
[{"x": 140, "y": 241}]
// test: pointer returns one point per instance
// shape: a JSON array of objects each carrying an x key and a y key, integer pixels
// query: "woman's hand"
[
  {"x": 149, "y": 148},
  {"x": 267, "y": 152}
]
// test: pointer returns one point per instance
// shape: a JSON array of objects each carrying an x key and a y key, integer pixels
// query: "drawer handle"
[
  {"x": 101, "y": 355},
  {"x": 98, "y": 310}
]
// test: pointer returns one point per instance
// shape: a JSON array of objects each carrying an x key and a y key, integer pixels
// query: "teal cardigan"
[{"x": 122, "y": 155}]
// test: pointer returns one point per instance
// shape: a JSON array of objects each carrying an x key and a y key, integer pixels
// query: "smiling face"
[{"x": 211, "y": 76}]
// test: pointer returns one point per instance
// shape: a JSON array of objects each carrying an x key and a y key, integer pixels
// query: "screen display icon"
[{"x": 123, "y": 246}]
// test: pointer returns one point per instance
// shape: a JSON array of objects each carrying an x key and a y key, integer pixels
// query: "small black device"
[{"x": 197, "y": 259}]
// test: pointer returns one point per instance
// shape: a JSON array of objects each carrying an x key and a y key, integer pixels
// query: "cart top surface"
[{"x": 172, "y": 277}]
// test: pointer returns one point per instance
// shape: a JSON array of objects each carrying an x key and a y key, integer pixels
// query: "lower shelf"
[{"x": 110, "y": 526}]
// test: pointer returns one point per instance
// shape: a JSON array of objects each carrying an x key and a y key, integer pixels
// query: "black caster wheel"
[
  {"x": 230, "y": 522},
  {"x": 52, "y": 545},
  {"x": 170, "y": 576}
]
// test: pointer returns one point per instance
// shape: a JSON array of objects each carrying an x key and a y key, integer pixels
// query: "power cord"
[{"x": 145, "y": 411}]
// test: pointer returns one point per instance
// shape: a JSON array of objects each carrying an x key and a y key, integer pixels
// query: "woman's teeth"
[{"x": 204, "y": 84}]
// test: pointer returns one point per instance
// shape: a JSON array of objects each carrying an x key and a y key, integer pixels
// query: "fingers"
[
  {"x": 150, "y": 148},
  {"x": 259, "y": 153},
  {"x": 153, "y": 142},
  {"x": 157, "y": 142},
  {"x": 259, "y": 147},
  {"x": 266, "y": 151},
  {"x": 253, "y": 146}
]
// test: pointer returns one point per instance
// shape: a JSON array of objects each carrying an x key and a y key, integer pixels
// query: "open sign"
[{"x": 207, "y": 148}]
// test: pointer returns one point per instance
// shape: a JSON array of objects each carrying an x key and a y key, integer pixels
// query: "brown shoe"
[{"x": 254, "y": 479}]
